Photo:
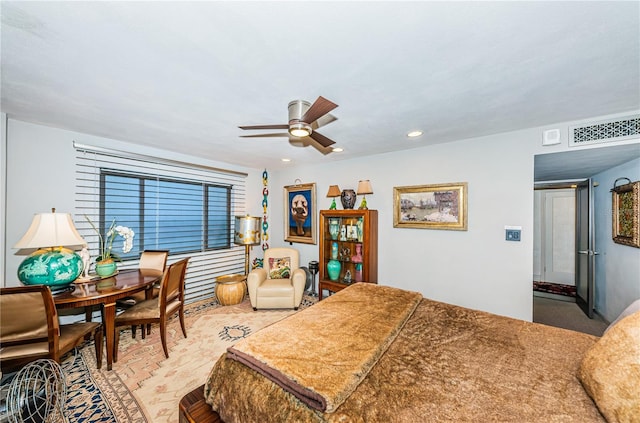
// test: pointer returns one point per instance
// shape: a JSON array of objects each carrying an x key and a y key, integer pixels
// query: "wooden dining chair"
[
  {"x": 158, "y": 310},
  {"x": 151, "y": 261},
  {"x": 30, "y": 330}
]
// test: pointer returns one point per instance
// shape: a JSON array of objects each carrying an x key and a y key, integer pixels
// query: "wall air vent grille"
[{"x": 618, "y": 129}]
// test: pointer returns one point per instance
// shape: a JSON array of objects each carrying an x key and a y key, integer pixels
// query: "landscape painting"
[{"x": 438, "y": 206}]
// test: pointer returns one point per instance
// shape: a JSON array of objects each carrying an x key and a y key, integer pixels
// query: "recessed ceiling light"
[
  {"x": 286, "y": 160},
  {"x": 337, "y": 149},
  {"x": 414, "y": 134}
]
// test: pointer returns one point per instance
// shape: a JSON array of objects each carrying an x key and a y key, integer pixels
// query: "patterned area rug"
[
  {"x": 144, "y": 386},
  {"x": 555, "y": 288}
]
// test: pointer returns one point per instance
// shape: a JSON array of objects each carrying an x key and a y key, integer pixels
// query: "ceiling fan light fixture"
[
  {"x": 304, "y": 120},
  {"x": 300, "y": 129},
  {"x": 297, "y": 109}
]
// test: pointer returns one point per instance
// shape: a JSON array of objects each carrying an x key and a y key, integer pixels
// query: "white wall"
[
  {"x": 41, "y": 175},
  {"x": 475, "y": 268},
  {"x": 3, "y": 189},
  {"x": 617, "y": 266}
]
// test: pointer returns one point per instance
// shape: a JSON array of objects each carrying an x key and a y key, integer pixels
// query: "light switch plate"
[{"x": 512, "y": 234}]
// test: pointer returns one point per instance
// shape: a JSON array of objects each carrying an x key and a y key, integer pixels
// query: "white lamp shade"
[
  {"x": 51, "y": 230},
  {"x": 364, "y": 187},
  {"x": 247, "y": 230}
]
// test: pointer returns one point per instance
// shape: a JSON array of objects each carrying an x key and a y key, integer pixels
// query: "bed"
[{"x": 373, "y": 353}]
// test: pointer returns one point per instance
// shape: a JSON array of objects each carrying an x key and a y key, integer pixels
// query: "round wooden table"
[{"x": 105, "y": 292}]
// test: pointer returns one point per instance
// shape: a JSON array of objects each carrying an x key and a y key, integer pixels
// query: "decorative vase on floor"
[
  {"x": 333, "y": 269},
  {"x": 230, "y": 289},
  {"x": 106, "y": 268}
]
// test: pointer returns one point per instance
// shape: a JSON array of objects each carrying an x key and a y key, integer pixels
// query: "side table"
[{"x": 230, "y": 289}]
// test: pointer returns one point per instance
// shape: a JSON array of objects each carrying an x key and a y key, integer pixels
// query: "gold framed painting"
[
  {"x": 300, "y": 213},
  {"x": 625, "y": 214},
  {"x": 439, "y": 206}
]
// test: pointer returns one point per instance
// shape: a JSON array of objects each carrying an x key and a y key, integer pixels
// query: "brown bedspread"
[{"x": 448, "y": 364}]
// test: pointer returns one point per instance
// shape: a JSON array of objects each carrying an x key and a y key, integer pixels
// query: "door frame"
[{"x": 587, "y": 301}]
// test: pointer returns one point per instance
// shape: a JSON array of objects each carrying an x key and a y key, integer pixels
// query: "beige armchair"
[{"x": 280, "y": 283}]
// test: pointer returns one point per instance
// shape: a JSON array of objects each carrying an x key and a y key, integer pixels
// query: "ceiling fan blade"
[
  {"x": 320, "y": 148},
  {"x": 321, "y": 139},
  {"x": 319, "y": 108},
  {"x": 281, "y": 126},
  {"x": 322, "y": 121},
  {"x": 309, "y": 142},
  {"x": 283, "y": 134}
]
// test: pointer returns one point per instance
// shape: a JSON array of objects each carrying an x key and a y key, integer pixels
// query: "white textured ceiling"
[{"x": 183, "y": 75}]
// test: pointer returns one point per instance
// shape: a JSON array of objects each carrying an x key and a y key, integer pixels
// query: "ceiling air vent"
[{"x": 618, "y": 129}]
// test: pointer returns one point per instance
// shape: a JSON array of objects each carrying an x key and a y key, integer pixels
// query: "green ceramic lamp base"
[{"x": 54, "y": 267}]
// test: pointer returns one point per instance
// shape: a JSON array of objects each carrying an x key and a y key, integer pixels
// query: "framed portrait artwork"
[
  {"x": 439, "y": 206},
  {"x": 300, "y": 213},
  {"x": 625, "y": 213}
]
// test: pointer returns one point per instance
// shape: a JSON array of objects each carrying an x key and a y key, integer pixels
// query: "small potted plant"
[{"x": 106, "y": 260}]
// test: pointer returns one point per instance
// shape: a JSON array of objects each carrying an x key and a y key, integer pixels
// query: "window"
[
  {"x": 169, "y": 214},
  {"x": 185, "y": 208}
]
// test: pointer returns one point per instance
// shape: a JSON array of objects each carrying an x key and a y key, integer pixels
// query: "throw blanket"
[{"x": 344, "y": 337}]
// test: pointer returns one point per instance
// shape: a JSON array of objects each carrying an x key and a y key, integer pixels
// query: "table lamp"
[
  {"x": 247, "y": 233},
  {"x": 51, "y": 264},
  {"x": 334, "y": 191},
  {"x": 364, "y": 188}
]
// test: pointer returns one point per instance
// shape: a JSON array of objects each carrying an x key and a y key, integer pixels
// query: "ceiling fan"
[{"x": 304, "y": 120}]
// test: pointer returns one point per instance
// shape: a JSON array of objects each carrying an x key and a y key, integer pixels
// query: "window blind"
[{"x": 187, "y": 209}]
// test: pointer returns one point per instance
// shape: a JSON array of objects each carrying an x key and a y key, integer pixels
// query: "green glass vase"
[
  {"x": 334, "y": 228},
  {"x": 333, "y": 269}
]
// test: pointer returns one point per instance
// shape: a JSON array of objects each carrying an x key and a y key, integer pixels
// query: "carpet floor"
[
  {"x": 146, "y": 387},
  {"x": 566, "y": 315}
]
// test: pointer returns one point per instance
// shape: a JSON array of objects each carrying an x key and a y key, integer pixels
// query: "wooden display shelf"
[{"x": 342, "y": 233}]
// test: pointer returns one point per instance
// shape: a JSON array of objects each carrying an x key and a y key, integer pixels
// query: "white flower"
[
  {"x": 127, "y": 234},
  {"x": 106, "y": 243}
]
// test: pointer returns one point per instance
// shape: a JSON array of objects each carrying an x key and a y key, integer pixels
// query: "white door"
[{"x": 558, "y": 236}]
